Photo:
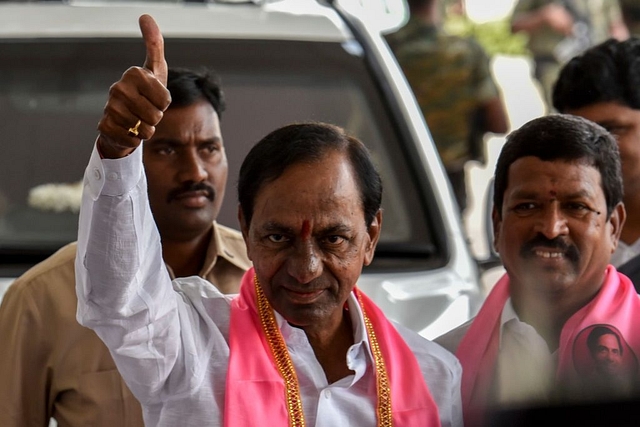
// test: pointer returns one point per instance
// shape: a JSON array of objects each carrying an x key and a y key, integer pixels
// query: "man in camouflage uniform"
[
  {"x": 560, "y": 29},
  {"x": 452, "y": 83}
]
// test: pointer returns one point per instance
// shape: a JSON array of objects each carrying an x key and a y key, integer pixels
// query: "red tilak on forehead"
[
  {"x": 552, "y": 193},
  {"x": 306, "y": 229}
]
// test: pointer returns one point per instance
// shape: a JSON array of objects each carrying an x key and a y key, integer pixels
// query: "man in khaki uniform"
[
  {"x": 51, "y": 367},
  {"x": 452, "y": 82},
  {"x": 560, "y": 29}
]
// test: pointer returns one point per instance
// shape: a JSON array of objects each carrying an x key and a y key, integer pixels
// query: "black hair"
[
  {"x": 563, "y": 137},
  {"x": 596, "y": 333},
  {"x": 188, "y": 86},
  {"x": 608, "y": 72},
  {"x": 306, "y": 143}
]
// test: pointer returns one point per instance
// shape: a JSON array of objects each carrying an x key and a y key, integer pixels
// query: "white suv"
[{"x": 280, "y": 62}]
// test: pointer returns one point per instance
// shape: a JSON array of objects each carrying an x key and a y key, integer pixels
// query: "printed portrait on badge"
[{"x": 603, "y": 358}]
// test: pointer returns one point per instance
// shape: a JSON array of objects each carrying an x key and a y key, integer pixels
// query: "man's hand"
[{"x": 140, "y": 95}]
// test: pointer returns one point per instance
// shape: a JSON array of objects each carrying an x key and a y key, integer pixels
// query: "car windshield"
[{"x": 52, "y": 93}]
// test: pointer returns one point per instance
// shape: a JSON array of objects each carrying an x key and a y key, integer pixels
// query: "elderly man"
[
  {"x": 557, "y": 219},
  {"x": 52, "y": 367},
  {"x": 300, "y": 345}
]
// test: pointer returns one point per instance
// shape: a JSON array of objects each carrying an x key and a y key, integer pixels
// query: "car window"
[{"x": 52, "y": 93}]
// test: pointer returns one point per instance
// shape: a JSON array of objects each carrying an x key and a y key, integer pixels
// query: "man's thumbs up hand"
[{"x": 138, "y": 100}]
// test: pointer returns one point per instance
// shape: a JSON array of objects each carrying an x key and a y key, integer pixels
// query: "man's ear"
[
  {"x": 374, "y": 235},
  {"x": 616, "y": 220}
]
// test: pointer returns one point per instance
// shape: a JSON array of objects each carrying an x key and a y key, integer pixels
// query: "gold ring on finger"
[{"x": 134, "y": 130}]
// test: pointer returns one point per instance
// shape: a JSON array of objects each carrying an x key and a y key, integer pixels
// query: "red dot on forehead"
[
  {"x": 552, "y": 193},
  {"x": 306, "y": 229}
]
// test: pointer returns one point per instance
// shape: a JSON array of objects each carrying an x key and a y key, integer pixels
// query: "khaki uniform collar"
[{"x": 220, "y": 245}]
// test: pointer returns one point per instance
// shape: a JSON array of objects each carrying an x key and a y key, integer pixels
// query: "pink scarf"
[
  {"x": 616, "y": 306},
  {"x": 255, "y": 390}
]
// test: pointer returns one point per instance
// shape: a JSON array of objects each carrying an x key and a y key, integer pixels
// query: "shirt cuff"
[{"x": 113, "y": 177}]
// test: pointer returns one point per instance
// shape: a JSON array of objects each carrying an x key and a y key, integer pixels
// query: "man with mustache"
[
  {"x": 557, "y": 218},
  {"x": 51, "y": 367},
  {"x": 300, "y": 345}
]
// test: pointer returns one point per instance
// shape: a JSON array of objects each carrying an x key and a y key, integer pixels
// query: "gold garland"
[
  {"x": 281, "y": 356},
  {"x": 382, "y": 379},
  {"x": 288, "y": 372}
]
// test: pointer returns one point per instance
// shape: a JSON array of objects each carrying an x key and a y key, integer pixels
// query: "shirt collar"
[
  {"x": 510, "y": 319},
  {"x": 508, "y": 313},
  {"x": 359, "y": 355},
  {"x": 220, "y": 247}
]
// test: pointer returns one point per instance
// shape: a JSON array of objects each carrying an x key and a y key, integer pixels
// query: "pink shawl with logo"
[
  {"x": 617, "y": 305},
  {"x": 255, "y": 390}
]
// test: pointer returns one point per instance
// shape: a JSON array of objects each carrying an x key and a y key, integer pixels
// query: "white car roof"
[{"x": 280, "y": 20}]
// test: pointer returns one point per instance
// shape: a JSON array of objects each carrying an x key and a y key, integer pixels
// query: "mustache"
[
  {"x": 210, "y": 192},
  {"x": 570, "y": 251}
]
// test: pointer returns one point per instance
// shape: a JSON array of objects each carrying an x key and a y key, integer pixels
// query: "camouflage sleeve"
[{"x": 485, "y": 85}]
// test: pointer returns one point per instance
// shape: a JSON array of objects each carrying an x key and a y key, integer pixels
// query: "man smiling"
[
  {"x": 52, "y": 367},
  {"x": 557, "y": 219},
  {"x": 300, "y": 345}
]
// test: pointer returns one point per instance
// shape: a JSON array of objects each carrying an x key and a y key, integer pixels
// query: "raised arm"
[
  {"x": 137, "y": 101},
  {"x": 124, "y": 291}
]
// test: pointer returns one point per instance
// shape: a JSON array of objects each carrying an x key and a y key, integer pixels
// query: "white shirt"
[
  {"x": 526, "y": 367},
  {"x": 170, "y": 340}
]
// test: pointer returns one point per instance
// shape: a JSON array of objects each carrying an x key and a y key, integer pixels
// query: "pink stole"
[
  {"x": 255, "y": 390},
  {"x": 616, "y": 305}
]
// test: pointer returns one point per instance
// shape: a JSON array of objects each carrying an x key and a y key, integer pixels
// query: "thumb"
[{"x": 155, "y": 61}]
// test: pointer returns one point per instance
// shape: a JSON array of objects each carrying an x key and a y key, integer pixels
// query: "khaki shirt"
[{"x": 51, "y": 367}]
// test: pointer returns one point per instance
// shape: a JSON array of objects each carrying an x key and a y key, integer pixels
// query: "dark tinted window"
[{"x": 52, "y": 94}]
